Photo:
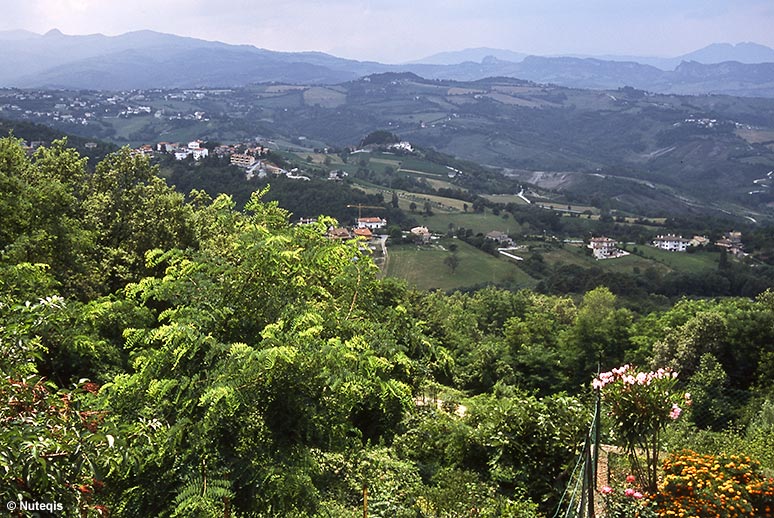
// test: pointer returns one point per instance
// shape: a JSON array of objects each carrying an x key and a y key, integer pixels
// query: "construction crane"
[{"x": 360, "y": 208}]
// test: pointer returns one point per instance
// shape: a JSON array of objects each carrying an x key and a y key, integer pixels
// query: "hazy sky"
[{"x": 403, "y": 30}]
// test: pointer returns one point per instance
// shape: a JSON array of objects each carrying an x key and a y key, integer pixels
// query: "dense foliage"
[{"x": 164, "y": 357}]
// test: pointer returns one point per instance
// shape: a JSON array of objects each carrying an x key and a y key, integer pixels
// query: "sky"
[{"x": 395, "y": 31}]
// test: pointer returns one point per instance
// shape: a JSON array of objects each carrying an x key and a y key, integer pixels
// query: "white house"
[
  {"x": 604, "y": 247},
  {"x": 371, "y": 223},
  {"x": 200, "y": 153},
  {"x": 671, "y": 243},
  {"x": 403, "y": 146}
]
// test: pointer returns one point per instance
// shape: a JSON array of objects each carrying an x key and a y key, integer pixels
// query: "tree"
[
  {"x": 265, "y": 325},
  {"x": 452, "y": 261},
  {"x": 379, "y": 137},
  {"x": 704, "y": 333},
  {"x": 132, "y": 211},
  {"x": 394, "y": 202},
  {"x": 395, "y": 233},
  {"x": 599, "y": 335},
  {"x": 712, "y": 404},
  {"x": 14, "y": 192},
  {"x": 413, "y": 207},
  {"x": 48, "y": 192}
]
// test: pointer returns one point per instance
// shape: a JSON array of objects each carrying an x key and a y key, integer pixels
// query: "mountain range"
[
  {"x": 746, "y": 52},
  {"x": 147, "y": 59}
]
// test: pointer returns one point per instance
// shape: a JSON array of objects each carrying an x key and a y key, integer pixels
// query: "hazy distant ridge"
[{"x": 147, "y": 59}]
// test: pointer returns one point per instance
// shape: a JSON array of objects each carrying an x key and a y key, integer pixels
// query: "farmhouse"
[
  {"x": 604, "y": 248},
  {"x": 363, "y": 232},
  {"x": 371, "y": 223},
  {"x": 501, "y": 237},
  {"x": 421, "y": 234},
  {"x": 340, "y": 233},
  {"x": 732, "y": 242}
]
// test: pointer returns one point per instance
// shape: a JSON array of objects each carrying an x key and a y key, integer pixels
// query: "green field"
[
  {"x": 477, "y": 222},
  {"x": 504, "y": 198},
  {"x": 443, "y": 184},
  {"x": 405, "y": 164},
  {"x": 647, "y": 257},
  {"x": 680, "y": 261},
  {"x": 423, "y": 267},
  {"x": 440, "y": 204}
]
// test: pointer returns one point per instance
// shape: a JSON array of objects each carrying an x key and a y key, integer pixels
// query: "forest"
[{"x": 171, "y": 355}]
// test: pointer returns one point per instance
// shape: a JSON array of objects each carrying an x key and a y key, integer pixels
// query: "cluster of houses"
[
  {"x": 731, "y": 242},
  {"x": 244, "y": 156},
  {"x": 247, "y": 157},
  {"x": 364, "y": 228},
  {"x": 607, "y": 248}
]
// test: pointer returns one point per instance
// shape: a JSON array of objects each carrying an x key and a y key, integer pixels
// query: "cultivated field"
[{"x": 423, "y": 267}]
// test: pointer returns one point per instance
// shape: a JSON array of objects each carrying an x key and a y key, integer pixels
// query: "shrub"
[
  {"x": 626, "y": 501},
  {"x": 641, "y": 405}
]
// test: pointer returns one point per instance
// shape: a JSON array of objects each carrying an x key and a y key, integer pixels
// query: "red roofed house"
[
  {"x": 371, "y": 223},
  {"x": 363, "y": 232}
]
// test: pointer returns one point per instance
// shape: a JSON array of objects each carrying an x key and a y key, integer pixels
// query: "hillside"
[
  {"x": 647, "y": 152},
  {"x": 626, "y": 149}
]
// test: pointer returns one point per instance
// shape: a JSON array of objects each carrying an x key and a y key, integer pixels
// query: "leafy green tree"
[
  {"x": 452, "y": 261},
  {"x": 712, "y": 404},
  {"x": 15, "y": 204},
  {"x": 260, "y": 355},
  {"x": 526, "y": 442},
  {"x": 702, "y": 334},
  {"x": 599, "y": 335},
  {"x": 132, "y": 211}
]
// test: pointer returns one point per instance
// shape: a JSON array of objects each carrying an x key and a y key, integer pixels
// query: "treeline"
[
  {"x": 164, "y": 357},
  {"x": 32, "y": 132}
]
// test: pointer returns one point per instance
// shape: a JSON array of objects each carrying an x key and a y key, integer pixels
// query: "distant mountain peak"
[
  {"x": 476, "y": 55},
  {"x": 53, "y": 33},
  {"x": 744, "y": 52}
]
